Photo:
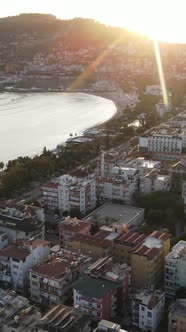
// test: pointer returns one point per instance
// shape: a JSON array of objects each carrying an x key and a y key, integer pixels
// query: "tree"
[{"x": 1, "y": 165}]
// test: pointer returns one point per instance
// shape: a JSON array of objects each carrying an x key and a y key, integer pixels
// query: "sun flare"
[{"x": 160, "y": 19}]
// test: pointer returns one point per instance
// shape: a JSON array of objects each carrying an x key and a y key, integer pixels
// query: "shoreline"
[{"x": 118, "y": 97}]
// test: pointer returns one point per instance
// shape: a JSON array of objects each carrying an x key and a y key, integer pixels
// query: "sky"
[{"x": 160, "y": 19}]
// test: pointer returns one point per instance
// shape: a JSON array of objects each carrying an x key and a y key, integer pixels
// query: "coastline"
[{"x": 118, "y": 97}]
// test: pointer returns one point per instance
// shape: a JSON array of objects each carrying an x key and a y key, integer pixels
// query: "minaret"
[{"x": 103, "y": 164}]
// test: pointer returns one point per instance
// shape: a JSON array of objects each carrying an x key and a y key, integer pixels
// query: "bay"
[{"x": 30, "y": 121}]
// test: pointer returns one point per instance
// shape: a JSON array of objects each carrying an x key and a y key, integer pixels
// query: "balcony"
[{"x": 5, "y": 277}]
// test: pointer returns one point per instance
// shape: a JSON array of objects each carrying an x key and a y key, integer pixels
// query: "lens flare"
[{"x": 160, "y": 72}]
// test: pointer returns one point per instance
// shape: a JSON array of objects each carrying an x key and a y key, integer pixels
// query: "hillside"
[{"x": 76, "y": 32}]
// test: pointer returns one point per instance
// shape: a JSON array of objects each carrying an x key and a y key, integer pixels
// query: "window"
[
  {"x": 149, "y": 314},
  {"x": 34, "y": 283},
  {"x": 15, "y": 266},
  {"x": 143, "y": 308},
  {"x": 34, "y": 276}
]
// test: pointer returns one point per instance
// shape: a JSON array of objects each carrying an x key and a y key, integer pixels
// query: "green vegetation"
[
  {"x": 23, "y": 170},
  {"x": 162, "y": 209}
]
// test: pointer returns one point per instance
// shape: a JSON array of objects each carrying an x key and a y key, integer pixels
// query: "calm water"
[{"x": 28, "y": 122}]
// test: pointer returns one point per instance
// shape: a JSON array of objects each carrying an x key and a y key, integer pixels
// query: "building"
[
  {"x": 154, "y": 90},
  {"x": 107, "y": 326},
  {"x": 175, "y": 269},
  {"x": 50, "y": 282},
  {"x": 118, "y": 216},
  {"x": 21, "y": 222},
  {"x": 162, "y": 109},
  {"x": 145, "y": 166},
  {"x": 148, "y": 309},
  {"x": 177, "y": 316},
  {"x": 147, "y": 261},
  {"x": 124, "y": 244},
  {"x": 76, "y": 191},
  {"x": 97, "y": 245},
  {"x": 106, "y": 164},
  {"x": 16, "y": 260},
  {"x": 62, "y": 318},
  {"x": 17, "y": 314},
  {"x": 154, "y": 182},
  {"x": 120, "y": 185},
  {"x": 106, "y": 268},
  {"x": 70, "y": 227},
  {"x": 161, "y": 143},
  {"x": 103, "y": 290}
]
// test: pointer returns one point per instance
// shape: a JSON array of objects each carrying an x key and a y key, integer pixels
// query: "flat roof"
[
  {"x": 93, "y": 287},
  {"x": 149, "y": 298},
  {"x": 115, "y": 212}
]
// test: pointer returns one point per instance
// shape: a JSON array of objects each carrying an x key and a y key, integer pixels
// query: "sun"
[{"x": 159, "y": 19}]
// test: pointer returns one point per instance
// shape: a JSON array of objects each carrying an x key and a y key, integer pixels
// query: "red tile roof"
[
  {"x": 56, "y": 268},
  {"x": 131, "y": 238},
  {"x": 143, "y": 250},
  {"x": 14, "y": 252},
  {"x": 99, "y": 239},
  {"x": 160, "y": 235}
]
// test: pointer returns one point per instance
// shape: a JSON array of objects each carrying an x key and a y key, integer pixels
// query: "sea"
[{"x": 31, "y": 121}]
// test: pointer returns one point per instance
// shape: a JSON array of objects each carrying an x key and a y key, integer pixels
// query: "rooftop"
[
  {"x": 64, "y": 319},
  {"x": 115, "y": 212},
  {"x": 100, "y": 239},
  {"x": 73, "y": 224},
  {"x": 149, "y": 298},
  {"x": 178, "y": 309},
  {"x": 93, "y": 287},
  {"x": 178, "y": 251},
  {"x": 130, "y": 238},
  {"x": 14, "y": 252}
]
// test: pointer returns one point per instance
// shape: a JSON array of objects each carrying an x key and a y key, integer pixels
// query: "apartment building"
[
  {"x": 148, "y": 309},
  {"x": 69, "y": 228},
  {"x": 97, "y": 245},
  {"x": 154, "y": 182},
  {"x": 147, "y": 261},
  {"x": 161, "y": 143},
  {"x": 119, "y": 185},
  {"x": 175, "y": 269},
  {"x": 124, "y": 244},
  {"x": 16, "y": 260},
  {"x": 102, "y": 291},
  {"x": 177, "y": 316},
  {"x": 71, "y": 191},
  {"x": 22, "y": 221},
  {"x": 50, "y": 282}
]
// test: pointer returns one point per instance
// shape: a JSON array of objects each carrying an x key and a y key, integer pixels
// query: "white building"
[
  {"x": 161, "y": 143},
  {"x": 17, "y": 259},
  {"x": 120, "y": 185},
  {"x": 175, "y": 269},
  {"x": 154, "y": 90},
  {"x": 144, "y": 166},
  {"x": 22, "y": 221},
  {"x": 154, "y": 182},
  {"x": 148, "y": 309},
  {"x": 68, "y": 192}
]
